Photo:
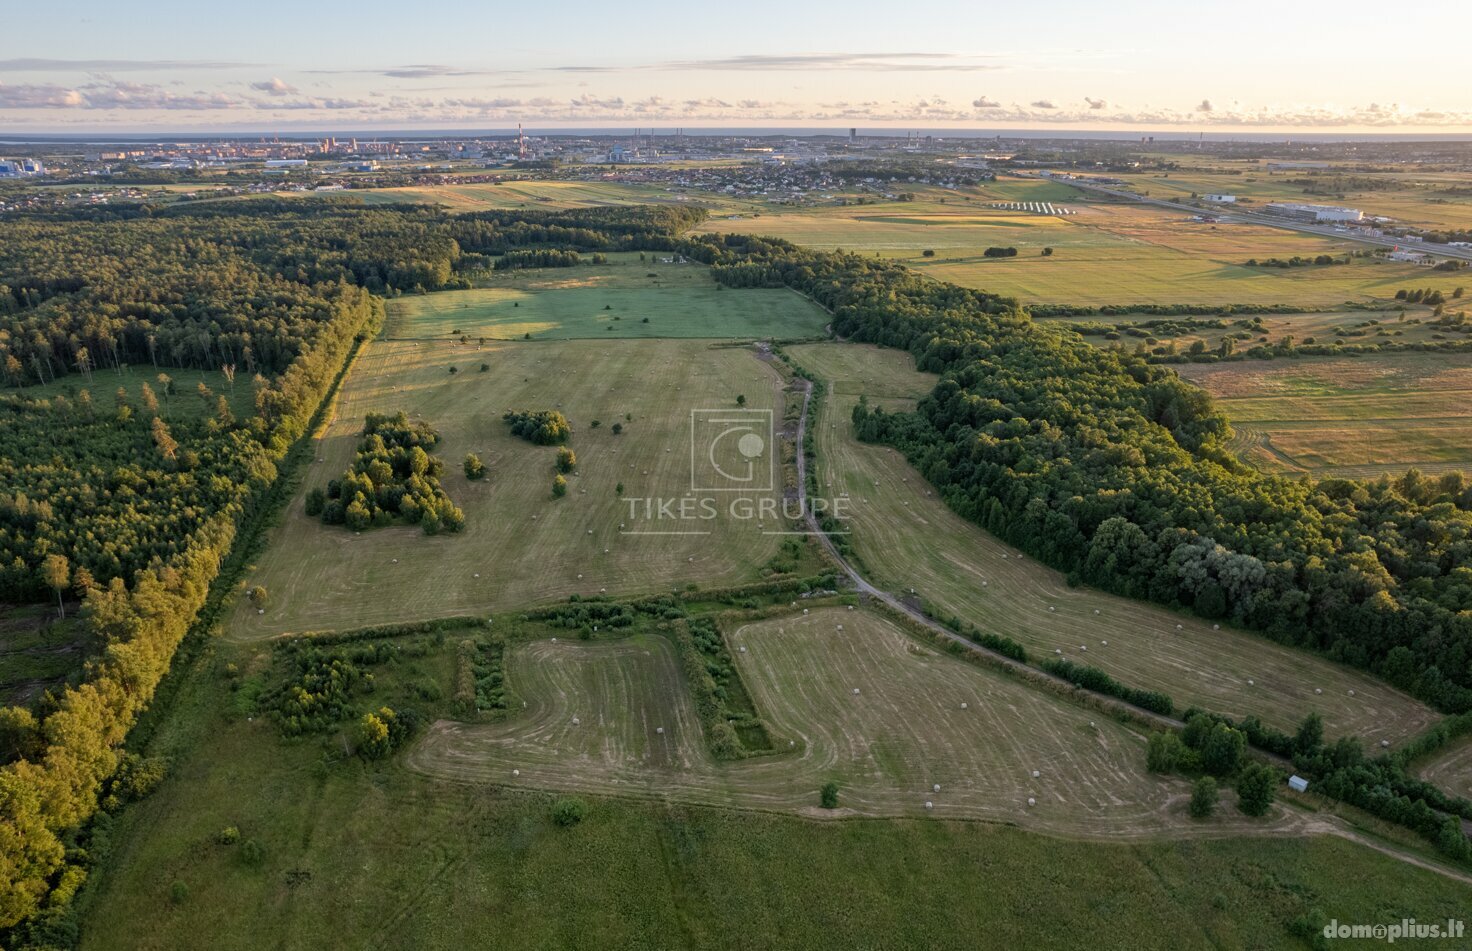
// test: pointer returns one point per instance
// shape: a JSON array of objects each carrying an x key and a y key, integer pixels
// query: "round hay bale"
[
  {"x": 963, "y": 705},
  {"x": 1031, "y": 801},
  {"x": 935, "y": 788},
  {"x": 516, "y": 772},
  {"x": 929, "y": 804},
  {"x": 856, "y": 691},
  {"x": 1036, "y": 774},
  {"x": 659, "y": 730}
]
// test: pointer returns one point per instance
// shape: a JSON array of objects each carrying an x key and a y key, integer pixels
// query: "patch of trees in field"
[
  {"x": 544, "y": 427},
  {"x": 480, "y": 676},
  {"x": 1116, "y": 472},
  {"x": 392, "y": 478}
]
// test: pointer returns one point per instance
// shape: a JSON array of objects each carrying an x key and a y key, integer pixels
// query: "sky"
[{"x": 83, "y": 65}]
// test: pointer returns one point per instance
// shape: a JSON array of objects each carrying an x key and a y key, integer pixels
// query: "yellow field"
[
  {"x": 1355, "y": 418},
  {"x": 1104, "y": 254},
  {"x": 907, "y": 538}
]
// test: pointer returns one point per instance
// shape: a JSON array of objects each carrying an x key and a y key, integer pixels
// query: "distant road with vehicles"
[{"x": 1273, "y": 221}]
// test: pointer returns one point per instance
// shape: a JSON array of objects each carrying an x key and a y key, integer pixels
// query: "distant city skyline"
[{"x": 1138, "y": 65}]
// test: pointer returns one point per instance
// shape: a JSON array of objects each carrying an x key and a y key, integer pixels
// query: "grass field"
[
  {"x": 609, "y": 301},
  {"x": 594, "y": 716},
  {"x": 907, "y": 538},
  {"x": 387, "y": 857},
  {"x": 1104, "y": 254},
  {"x": 524, "y": 546},
  {"x": 1355, "y": 417}
]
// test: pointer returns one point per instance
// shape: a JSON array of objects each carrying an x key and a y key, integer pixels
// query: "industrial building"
[
  {"x": 1220, "y": 199},
  {"x": 21, "y": 168},
  {"x": 1317, "y": 213}
]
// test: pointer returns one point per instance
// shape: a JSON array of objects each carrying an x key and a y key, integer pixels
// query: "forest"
[{"x": 132, "y": 503}]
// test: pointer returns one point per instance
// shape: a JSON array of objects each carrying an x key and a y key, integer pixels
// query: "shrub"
[
  {"x": 1203, "y": 798},
  {"x": 828, "y": 795},
  {"x": 569, "y": 811},
  {"x": 1255, "y": 789},
  {"x": 228, "y": 836}
]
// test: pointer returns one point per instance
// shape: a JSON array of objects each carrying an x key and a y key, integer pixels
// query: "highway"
[{"x": 1228, "y": 214}]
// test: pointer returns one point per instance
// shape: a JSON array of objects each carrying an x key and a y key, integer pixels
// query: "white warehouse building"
[
  {"x": 1220, "y": 199},
  {"x": 1314, "y": 212}
]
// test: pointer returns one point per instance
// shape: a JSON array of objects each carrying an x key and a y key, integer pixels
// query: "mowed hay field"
[
  {"x": 1103, "y": 254},
  {"x": 594, "y": 716},
  {"x": 1451, "y": 769},
  {"x": 1348, "y": 417},
  {"x": 525, "y": 546},
  {"x": 381, "y": 856},
  {"x": 609, "y": 301},
  {"x": 906, "y": 537}
]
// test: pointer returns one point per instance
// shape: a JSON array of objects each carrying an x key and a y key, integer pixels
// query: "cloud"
[
  {"x": 35, "y": 65},
  {"x": 39, "y": 97},
  {"x": 1096, "y": 103},
  {"x": 1205, "y": 106},
  {"x": 109, "y": 94},
  {"x": 274, "y": 87},
  {"x": 1043, "y": 104},
  {"x": 865, "y": 62},
  {"x": 982, "y": 102},
  {"x": 412, "y": 71}
]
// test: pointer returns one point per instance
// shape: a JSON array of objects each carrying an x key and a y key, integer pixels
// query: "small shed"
[{"x": 1297, "y": 783}]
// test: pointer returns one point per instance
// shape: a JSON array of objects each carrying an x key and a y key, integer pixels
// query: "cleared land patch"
[
  {"x": 906, "y": 537},
  {"x": 1354, "y": 417},
  {"x": 888, "y": 744},
  {"x": 617, "y": 300},
  {"x": 519, "y": 545}
]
